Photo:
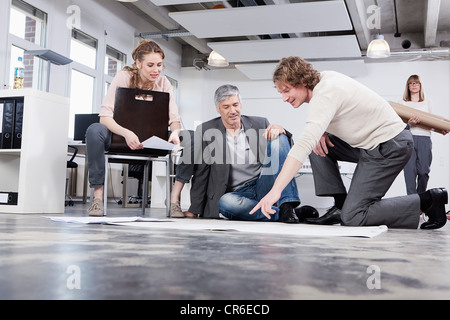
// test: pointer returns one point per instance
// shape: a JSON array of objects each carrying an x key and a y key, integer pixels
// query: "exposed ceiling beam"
[
  {"x": 165, "y": 35},
  {"x": 431, "y": 22},
  {"x": 158, "y": 14},
  {"x": 358, "y": 12}
]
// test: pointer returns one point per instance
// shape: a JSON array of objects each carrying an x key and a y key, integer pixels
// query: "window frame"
[
  {"x": 88, "y": 37},
  {"x": 34, "y": 13},
  {"x": 107, "y": 56},
  {"x": 39, "y": 80}
]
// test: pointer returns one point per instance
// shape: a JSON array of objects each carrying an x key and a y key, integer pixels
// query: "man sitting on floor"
[{"x": 238, "y": 159}]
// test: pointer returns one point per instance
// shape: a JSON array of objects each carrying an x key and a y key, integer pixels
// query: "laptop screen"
[{"x": 82, "y": 122}]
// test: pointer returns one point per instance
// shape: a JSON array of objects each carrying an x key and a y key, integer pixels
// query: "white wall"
[{"x": 261, "y": 98}]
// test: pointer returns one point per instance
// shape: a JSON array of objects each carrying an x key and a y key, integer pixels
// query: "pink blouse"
[{"x": 122, "y": 79}]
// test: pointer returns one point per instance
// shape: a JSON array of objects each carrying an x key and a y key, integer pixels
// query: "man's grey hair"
[{"x": 224, "y": 92}]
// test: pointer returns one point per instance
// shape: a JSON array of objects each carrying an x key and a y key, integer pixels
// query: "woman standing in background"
[{"x": 417, "y": 169}]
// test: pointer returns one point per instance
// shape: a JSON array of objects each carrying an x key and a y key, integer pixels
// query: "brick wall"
[
  {"x": 28, "y": 60},
  {"x": 112, "y": 67}
]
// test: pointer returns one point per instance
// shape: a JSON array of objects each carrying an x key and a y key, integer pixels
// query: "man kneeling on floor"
[
  {"x": 347, "y": 121},
  {"x": 237, "y": 160}
]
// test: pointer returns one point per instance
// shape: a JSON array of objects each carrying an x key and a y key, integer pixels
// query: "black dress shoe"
[
  {"x": 436, "y": 212},
  {"x": 306, "y": 212},
  {"x": 332, "y": 216},
  {"x": 287, "y": 214}
]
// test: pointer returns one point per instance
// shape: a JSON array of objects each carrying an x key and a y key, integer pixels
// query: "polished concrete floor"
[{"x": 43, "y": 259}]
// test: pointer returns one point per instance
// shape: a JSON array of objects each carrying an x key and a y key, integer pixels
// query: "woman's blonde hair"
[
  {"x": 407, "y": 94},
  {"x": 296, "y": 71},
  {"x": 143, "y": 48}
]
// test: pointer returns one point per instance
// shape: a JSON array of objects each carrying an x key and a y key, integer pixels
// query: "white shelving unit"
[{"x": 37, "y": 171}]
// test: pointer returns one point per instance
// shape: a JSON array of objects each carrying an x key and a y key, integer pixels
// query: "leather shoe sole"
[
  {"x": 333, "y": 216},
  {"x": 288, "y": 216},
  {"x": 436, "y": 212},
  {"x": 306, "y": 212}
]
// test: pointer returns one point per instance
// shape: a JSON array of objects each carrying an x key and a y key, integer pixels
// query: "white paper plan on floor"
[
  {"x": 301, "y": 230},
  {"x": 103, "y": 220}
]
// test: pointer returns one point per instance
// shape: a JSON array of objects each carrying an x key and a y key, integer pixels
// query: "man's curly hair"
[{"x": 296, "y": 71}]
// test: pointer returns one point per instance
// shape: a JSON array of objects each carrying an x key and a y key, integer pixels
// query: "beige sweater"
[
  {"x": 349, "y": 110},
  {"x": 122, "y": 80}
]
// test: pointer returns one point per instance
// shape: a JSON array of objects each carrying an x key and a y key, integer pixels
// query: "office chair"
[
  {"x": 146, "y": 113},
  {"x": 82, "y": 121},
  {"x": 134, "y": 171},
  {"x": 71, "y": 164}
]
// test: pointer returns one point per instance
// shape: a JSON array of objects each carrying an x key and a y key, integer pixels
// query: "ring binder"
[
  {"x": 7, "y": 122},
  {"x": 8, "y": 198},
  {"x": 18, "y": 120}
]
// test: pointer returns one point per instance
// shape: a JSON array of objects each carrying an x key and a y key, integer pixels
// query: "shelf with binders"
[
  {"x": 11, "y": 122},
  {"x": 33, "y": 156}
]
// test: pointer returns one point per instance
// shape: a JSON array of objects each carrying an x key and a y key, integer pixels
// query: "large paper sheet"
[
  {"x": 301, "y": 230},
  {"x": 103, "y": 220},
  {"x": 427, "y": 120},
  {"x": 158, "y": 143}
]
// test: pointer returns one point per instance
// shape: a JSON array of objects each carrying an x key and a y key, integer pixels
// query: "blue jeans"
[{"x": 236, "y": 205}]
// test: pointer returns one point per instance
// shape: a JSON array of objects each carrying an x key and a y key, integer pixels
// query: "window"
[
  {"x": 114, "y": 61},
  {"x": 28, "y": 22},
  {"x": 83, "y": 49},
  {"x": 81, "y": 96}
]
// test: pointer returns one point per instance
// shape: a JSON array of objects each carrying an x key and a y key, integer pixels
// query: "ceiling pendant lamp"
[
  {"x": 378, "y": 48},
  {"x": 216, "y": 60}
]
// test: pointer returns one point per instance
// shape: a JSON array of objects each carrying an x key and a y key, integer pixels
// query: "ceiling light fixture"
[
  {"x": 127, "y": 0},
  {"x": 378, "y": 48},
  {"x": 216, "y": 60}
]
